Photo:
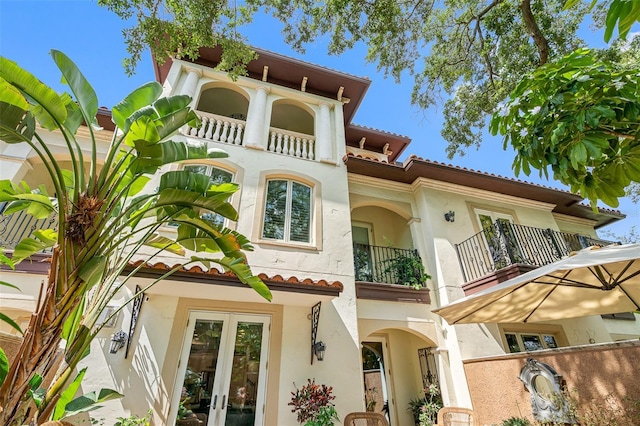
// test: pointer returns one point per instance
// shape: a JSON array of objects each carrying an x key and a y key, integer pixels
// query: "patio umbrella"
[{"x": 592, "y": 281}]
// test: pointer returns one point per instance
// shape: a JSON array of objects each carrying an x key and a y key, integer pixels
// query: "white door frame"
[
  {"x": 222, "y": 377},
  {"x": 387, "y": 374}
]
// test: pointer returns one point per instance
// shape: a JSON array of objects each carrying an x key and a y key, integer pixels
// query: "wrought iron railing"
[
  {"x": 388, "y": 265},
  {"x": 17, "y": 226},
  {"x": 504, "y": 244}
]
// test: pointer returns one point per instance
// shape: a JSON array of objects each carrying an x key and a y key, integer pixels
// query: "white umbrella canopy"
[{"x": 592, "y": 281}]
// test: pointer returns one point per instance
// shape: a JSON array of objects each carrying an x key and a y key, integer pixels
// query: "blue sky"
[{"x": 92, "y": 37}]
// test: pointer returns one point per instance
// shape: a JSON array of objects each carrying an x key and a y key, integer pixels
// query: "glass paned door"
[{"x": 222, "y": 370}]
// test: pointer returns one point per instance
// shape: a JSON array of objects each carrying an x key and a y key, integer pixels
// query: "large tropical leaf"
[
  {"x": 53, "y": 106},
  {"x": 215, "y": 203},
  {"x": 242, "y": 271},
  {"x": 90, "y": 401},
  {"x": 29, "y": 246},
  {"x": 15, "y": 124},
  {"x": 80, "y": 87},
  {"x": 139, "y": 98},
  {"x": 164, "y": 243},
  {"x": 153, "y": 156},
  {"x": 67, "y": 395}
]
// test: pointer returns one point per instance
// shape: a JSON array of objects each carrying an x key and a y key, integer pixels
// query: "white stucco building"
[{"x": 334, "y": 220}]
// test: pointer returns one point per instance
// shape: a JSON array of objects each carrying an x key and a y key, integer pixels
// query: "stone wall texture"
[{"x": 604, "y": 376}]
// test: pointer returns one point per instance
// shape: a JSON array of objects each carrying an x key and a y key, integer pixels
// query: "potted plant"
[
  {"x": 425, "y": 408},
  {"x": 312, "y": 405}
]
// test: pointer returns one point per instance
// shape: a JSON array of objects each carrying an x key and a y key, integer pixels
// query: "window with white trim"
[
  {"x": 520, "y": 342},
  {"x": 217, "y": 176},
  {"x": 287, "y": 211}
]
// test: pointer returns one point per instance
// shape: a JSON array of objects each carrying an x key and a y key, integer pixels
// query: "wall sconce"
[
  {"x": 319, "y": 349},
  {"x": 117, "y": 341},
  {"x": 450, "y": 216}
]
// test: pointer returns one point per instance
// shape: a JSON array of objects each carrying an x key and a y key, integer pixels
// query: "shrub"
[{"x": 312, "y": 404}]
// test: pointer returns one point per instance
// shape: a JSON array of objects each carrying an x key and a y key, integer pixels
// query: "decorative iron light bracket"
[
  {"x": 315, "y": 318},
  {"x": 135, "y": 313}
]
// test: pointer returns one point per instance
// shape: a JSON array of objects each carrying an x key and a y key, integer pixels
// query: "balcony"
[
  {"x": 504, "y": 245},
  {"x": 389, "y": 273},
  {"x": 17, "y": 226}
]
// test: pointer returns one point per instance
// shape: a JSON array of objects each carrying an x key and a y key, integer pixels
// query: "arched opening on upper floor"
[
  {"x": 224, "y": 101},
  {"x": 292, "y": 116},
  {"x": 383, "y": 248}
]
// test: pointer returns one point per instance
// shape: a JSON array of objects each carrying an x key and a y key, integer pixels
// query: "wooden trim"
[{"x": 391, "y": 293}]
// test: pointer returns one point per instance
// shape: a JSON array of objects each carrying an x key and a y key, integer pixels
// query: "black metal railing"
[
  {"x": 504, "y": 244},
  {"x": 388, "y": 265},
  {"x": 15, "y": 227}
]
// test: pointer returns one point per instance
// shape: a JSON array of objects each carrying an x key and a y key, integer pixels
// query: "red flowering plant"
[{"x": 312, "y": 404}]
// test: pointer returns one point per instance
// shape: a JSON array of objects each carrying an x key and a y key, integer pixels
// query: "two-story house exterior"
[{"x": 344, "y": 236}]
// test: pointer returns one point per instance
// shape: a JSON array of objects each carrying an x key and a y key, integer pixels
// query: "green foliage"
[
  {"x": 580, "y": 117},
  {"x": 407, "y": 270},
  {"x": 326, "y": 416},
  {"x": 312, "y": 403},
  {"x": 425, "y": 408},
  {"x": 104, "y": 216},
  {"x": 516, "y": 421},
  {"x": 134, "y": 420},
  {"x": 4, "y": 366},
  {"x": 472, "y": 51}
]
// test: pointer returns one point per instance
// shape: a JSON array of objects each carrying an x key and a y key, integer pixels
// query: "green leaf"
[
  {"x": 90, "y": 401},
  {"x": 4, "y": 366},
  {"x": 243, "y": 272},
  {"x": 80, "y": 87},
  {"x": 30, "y": 246},
  {"x": 54, "y": 107},
  {"x": 165, "y": 243},
  {"x": 139, "y": 98},
  {"x": 70, "y": 326},
  {"x": 11, "y": 322},
  {"x": 92, "y": 271},
  {"x": 67, "y": 395}
]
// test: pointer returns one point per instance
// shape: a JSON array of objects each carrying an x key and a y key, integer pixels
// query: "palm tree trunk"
[{"x": 37, "y": 355}]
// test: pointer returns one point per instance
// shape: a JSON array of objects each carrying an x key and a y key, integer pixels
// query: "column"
[
  {"x": 255, "y": 135},
  {"x": 340, "y": 138},
  {"x": 324, "y": 147},
  {"x": 191, "y": 83}
]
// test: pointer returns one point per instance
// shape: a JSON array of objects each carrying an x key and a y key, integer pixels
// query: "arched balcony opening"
[
  {"x": 292, "y": 130},
  {"x": 223, "y": 112},
  {"x": 383, "y": 248}
]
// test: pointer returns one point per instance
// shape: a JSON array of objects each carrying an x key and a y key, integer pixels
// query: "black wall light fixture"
[{"x": 450, "y": 216}]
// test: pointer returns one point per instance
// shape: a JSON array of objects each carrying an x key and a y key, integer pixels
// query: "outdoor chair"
[
  {"x": 455, "y": 416},
  {"x": 365, "y": 419}
]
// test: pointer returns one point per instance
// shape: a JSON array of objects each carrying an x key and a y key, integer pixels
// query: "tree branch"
[{"x": 534, "y": 30}]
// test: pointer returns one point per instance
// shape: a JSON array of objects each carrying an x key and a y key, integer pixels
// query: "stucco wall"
[{"x": 594, "y": 373}]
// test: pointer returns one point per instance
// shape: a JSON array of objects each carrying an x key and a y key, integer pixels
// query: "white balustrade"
[
  {"x": 217, "y": 128},
  {"x": 228, "y": 130},
  {"x": 292, "y": 144}
]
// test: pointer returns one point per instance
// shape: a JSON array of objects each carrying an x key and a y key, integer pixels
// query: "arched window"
[
  {"x": 287, "y": 211},
  {"x": 217, "y": 176}
]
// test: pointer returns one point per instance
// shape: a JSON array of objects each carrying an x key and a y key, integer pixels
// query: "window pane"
[
  {"x": 550, "y": 341},
  {"x": 531, "y": 342},
  {"x": 300, "y": 212},
  {"x": 216, "y": 177},
  {"x": 197, "y": 169},
  {"x": 219, "y": 176},
  {"x": 512, "y": 342},
  {"x": 275, "y": 210}
]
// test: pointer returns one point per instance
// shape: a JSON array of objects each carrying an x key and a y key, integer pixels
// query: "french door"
[{"x": 222, "y": 370}]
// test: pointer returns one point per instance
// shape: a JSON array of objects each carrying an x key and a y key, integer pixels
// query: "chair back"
[
  {"x": 365, "y": 419},
  {"x": 455, "y": 416}
]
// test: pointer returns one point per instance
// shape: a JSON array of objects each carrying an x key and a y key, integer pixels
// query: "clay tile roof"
[
  {"x": 276, "y": 282},
  {"x": 415, "y": 167}
]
